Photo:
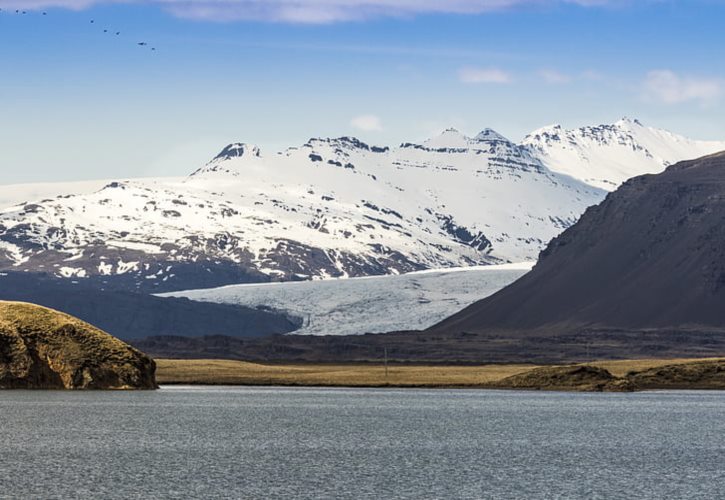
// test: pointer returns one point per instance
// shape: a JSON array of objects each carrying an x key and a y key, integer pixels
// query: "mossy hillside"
[{"x": 43, "y": 348}]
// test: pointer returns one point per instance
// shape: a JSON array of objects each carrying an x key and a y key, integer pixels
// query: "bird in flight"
[{"x": 91, "y": 21}]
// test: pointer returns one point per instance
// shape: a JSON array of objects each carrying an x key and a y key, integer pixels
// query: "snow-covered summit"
[
  {"x": 238, "y": 150},
  {"x": 334, "y": 207},
  {"x": 490, "y": 135},
  {"x": 329, "y": 208},
  {"x": 453, "y": 140},
  {"x": 606, "y": 155},
  {"x": 346, "y": 143},
  {"x": 450, "y": 138}
]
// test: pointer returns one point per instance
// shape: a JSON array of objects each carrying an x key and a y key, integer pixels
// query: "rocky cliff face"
[{"x": 45, "y": 349}]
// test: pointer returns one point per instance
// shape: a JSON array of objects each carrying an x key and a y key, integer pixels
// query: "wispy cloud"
[
  {"x": 367, "y": 123},
  {"x": 553, "y": 76},
  {"x": 484, "y": 75},
  {"x": 668, "y": 87},
  {"x": 592, "y": 75},
  {"x": 311, "y": 11}
]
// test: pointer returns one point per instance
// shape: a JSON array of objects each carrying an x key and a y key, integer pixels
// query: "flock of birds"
[{"x": 92, "y": 21}]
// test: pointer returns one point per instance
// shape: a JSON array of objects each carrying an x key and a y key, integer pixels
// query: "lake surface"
[{"x": 201, "y": 442}]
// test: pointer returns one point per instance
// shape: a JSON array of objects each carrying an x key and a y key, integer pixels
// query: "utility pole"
[{"x": 386, "y": 365}]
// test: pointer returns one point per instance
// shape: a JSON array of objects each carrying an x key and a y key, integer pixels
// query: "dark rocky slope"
[
  {"x": 44, "y": 349},
  {"x": 651, "y": 257}
]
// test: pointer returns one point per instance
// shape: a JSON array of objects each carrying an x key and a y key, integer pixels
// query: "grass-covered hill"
[{"x": 45, "y": 349}]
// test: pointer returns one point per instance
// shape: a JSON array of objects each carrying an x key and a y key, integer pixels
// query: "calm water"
[{"x": 281, "y": 443}]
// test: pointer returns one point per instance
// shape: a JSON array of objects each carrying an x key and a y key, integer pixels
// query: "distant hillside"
[
  {"x": 651, "y": 256},
  {"x": 130, "y": 316}
]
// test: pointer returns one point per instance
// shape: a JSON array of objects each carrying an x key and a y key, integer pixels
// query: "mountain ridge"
[{"x": 334, "y": 207}]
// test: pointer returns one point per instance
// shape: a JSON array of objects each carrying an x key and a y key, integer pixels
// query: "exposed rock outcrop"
[
  {"x": 44, "y": 349},
  {"x": 695, "y": 375},
  {"x": 567, "y": 378},
  {"x": 708, "y": 374}
]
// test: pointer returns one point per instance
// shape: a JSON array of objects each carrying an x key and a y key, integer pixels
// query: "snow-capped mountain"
[
  {"x": 607, "y": 155},
  {"x": 329, "y": 208},
  {"x": 15, "y": 194}
]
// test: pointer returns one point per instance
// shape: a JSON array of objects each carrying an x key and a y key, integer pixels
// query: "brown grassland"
[
  {"x": 224, "y": 372},
  {"x": 170, "y": 371}
]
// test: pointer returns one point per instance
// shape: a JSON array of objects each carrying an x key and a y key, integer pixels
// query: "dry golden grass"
[
  {"x": 41, "y": 348},
  {"x": 241, "y": 373},
  {"x": 34, "y": 320},
  {"x": 224, "y": 372},
  {"x": 620, "y": 368}
]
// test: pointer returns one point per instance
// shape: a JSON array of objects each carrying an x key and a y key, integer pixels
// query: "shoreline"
[{"x": 428, "y": 387}]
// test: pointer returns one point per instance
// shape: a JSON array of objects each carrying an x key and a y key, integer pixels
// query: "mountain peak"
[
  {"x": 547, "y": 133},
  {"x": 449, "y": 138},
  {"x": 345, "y": 142},
  {"x": 238, "y": 150},
  {"x": 627, "y": 121},
  {"x": 490, "y": 135},
  {"x": 233, "y": 151}
]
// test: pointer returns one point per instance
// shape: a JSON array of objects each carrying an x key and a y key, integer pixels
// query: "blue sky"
[{"x": 76, "y": 103}]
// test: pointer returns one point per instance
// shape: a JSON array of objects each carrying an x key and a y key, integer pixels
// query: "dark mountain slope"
[{"x": 651, "y": 256}]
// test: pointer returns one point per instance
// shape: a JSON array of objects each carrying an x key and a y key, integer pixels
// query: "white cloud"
[
  {"x": 310, "y": 11},
  {"x": 484, "y": 75},
  {"x": 670, "y": 88},
  {"x": 367, "y": 123},
  {"x": 554, "y": 77},
  {"x": 592, "y": 75}
]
